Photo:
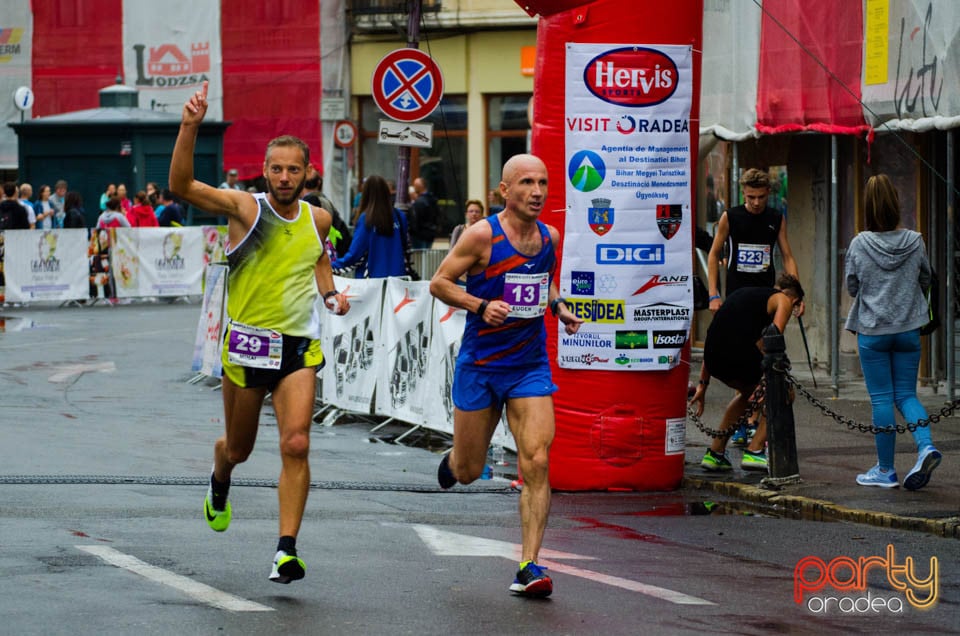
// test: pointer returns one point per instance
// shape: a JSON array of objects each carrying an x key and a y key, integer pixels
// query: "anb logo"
[
  {"x": 581, "y": 283},
  {"x": 631, "y": 340},
  {"x": 632, "y": 76}
]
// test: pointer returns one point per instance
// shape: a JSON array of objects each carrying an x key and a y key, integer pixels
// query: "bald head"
[{"x": 520, "y": 163}]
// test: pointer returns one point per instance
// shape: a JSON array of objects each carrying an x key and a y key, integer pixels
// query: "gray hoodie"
[{"x": 887, "y": 273}]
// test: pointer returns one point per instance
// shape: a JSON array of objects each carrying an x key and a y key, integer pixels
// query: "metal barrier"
[{"x": 426, "y": 262}]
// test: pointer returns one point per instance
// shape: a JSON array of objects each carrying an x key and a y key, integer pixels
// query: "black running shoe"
[
  {"x": 444, "y": 476},
  {"x": 532, "y": 581}
]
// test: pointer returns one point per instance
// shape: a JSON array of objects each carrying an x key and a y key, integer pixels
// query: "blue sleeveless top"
[{"x": 524, "y": 283}]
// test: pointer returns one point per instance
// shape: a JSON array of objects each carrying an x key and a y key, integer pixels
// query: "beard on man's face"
[{"x": 287, "y": 197}]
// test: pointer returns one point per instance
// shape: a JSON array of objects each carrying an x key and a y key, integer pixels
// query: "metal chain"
[
  {"x": 756, "y": 399},
  {"x": 852, "y": 424}
]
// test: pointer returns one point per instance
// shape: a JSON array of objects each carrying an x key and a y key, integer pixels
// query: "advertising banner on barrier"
[
  {"x": 445, "y": 339},
  {"x": 46, "y": 265},
  {"x": 626, "y": 262},
  {"x": 207, "y": 345},
  {"x": 158, "y": 261},
  {"x": 350, "y": 345},
  {"x": 405, "y": 329}
]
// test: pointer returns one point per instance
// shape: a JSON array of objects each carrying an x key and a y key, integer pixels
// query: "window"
[
  {"x": 443, "y": 165},
  {"x": 508, "y": 130}
]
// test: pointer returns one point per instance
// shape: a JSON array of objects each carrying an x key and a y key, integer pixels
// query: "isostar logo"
[
  {"x": 659, "y": 280},
  {"x": 595, "y": 310},
  {"x": 630, "y": 340},
  {"x": 581, "y": 283},
  {"x": 663, "y": 312},
  {"x": 632, "y": 76},
  {"x": 630, "y": 254},
  {"x": 600, "y": 216},
  {"x": 9, "y": 44},
  {"x": 169, "y": 67},
  {"x": 668, "y": 339},
  {"x": 669, "y": 218}
]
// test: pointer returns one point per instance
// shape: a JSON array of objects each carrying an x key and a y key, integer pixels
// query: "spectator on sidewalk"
[
  {"x": 105, "y": 196},
  {"x": 26, "y": 194},
  {"x": 125, "y": 203},
  {"x": 112, "y": 216},
  {"x": 59, "y": 199},
  {"x": 473, "y": 214},
  {"x": 74, "y": 215},
  {"x": 424, "y": 216},
  {"x": 887, "y": 274},
  {"x": 732, "y": 353},
  {"x": 312, "y": 194},
  {"x": 43, "y": 209},
  {"x": 13, "y": 216},
  {"x": 141, "y": 215},
  {"x": 381, "y": 235},
  {"x": 233, "y": 181},
  {"x": 172, "y": 214}
]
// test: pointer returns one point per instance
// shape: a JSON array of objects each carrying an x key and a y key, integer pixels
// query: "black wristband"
[
  {"x": 555, "y": 304},
  {"x": 483, "y": 307},
  {"x": 330, "y": 293}
]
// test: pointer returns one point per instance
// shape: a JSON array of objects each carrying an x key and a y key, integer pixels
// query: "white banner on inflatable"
[
  {"x": 46, "y": 265},
  {"x": 16, "y": 70},
  {"x": 169, "y": 49},
  {"x": 158, "y": 261},
  {"x": 208, "y": 343},
  {"x": 352, "y": 345},
  {"x": 626, "y": 259},
  {"x": 403, "y": 389}
]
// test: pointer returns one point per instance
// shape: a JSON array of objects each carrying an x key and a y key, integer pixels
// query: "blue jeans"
[{"x": 890, "y": 364}]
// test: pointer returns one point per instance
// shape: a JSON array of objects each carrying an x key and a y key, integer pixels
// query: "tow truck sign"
[{"x": 398, "y": 133}]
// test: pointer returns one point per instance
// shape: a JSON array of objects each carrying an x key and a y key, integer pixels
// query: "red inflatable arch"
[{"x": 611, "y": 425}]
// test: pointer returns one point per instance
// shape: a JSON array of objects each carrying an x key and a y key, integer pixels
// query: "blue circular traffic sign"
[{"x": 407, "y": 85}]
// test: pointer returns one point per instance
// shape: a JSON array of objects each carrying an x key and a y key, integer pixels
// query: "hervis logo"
[{"x": 632, "y": 76}]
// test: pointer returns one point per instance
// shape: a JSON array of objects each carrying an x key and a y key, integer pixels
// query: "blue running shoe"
[
  {"x": 919, "y": 475},
  {"x": 444, "y": 476},
  {"x": 532, "y": 581},
  {"x": 287, "y": 567},
  {"x": 877, "y": 476},
  {"x": 739, "y": 437}
]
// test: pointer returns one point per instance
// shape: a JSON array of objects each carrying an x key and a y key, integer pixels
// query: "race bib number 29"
[
  {"x": 526, "y": 294},
  {"x": 254, "y": 347}
]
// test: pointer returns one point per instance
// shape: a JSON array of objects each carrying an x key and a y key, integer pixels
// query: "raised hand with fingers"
[{"x": 196, "y": 107}]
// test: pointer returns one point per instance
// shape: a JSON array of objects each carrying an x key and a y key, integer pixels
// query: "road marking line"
[
  {"x": 201, "y": 592},
  {"x": 445, "y": 543},
  {"x": 662, "y": 593}
]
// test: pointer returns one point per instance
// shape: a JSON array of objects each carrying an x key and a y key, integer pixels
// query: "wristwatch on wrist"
[{"x": 555, "y": 304}]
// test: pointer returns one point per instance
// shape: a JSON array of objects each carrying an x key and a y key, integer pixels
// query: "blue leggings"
[{"x": 890, "y": 364}]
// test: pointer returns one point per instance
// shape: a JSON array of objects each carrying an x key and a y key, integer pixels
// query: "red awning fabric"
[{"x": 799, "y": 42}]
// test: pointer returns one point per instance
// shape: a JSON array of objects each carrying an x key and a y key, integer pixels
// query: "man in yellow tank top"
[{"x": 278, "y": 270}]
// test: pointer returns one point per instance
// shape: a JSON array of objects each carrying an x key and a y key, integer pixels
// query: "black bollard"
[{"x": 781, "y": 433}]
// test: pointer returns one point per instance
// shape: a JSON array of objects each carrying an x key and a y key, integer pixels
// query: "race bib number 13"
[{"x": 526, "y": 294}]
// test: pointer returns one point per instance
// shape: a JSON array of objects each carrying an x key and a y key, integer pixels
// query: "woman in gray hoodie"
[{"x": 887, "y": 273}]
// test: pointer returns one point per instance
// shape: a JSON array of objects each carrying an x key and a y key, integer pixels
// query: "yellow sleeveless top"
[{"x": 271, "y": 283}]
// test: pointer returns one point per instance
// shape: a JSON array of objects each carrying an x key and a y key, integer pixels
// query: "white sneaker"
[{"x": 877, "y": 476}]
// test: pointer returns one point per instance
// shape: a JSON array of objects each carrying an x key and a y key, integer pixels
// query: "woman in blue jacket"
[{"x": 380, "y": 237}]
